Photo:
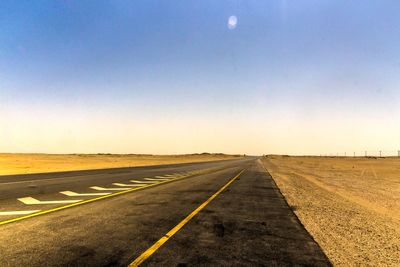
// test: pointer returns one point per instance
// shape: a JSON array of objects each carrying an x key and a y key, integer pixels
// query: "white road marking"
[
  {"x": 109, "y": 189},
  {"x": 142, "y": 182},
  {"x": 158, "y": 179},
  {"x": 119, "y": 184},
  {"x": 18, "y": 212},
  {"x": 161, "y": 177},
  {"x": 73, "y": 194},
  {"x": 176, "y": 174},
  {"x": 34, "y": 201}
]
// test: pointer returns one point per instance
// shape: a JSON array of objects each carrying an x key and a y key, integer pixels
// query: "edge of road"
[{"x": 295, "y": 215}]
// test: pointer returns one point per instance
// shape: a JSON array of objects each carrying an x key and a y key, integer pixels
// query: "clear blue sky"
[{"x": 292, "y": 77}]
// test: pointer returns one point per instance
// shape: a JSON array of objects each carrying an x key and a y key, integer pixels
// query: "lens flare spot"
[{"x": 232, "y": 22}]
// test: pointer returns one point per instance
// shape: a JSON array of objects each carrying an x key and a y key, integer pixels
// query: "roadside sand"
[
  {"x": 38, "y": 163},
  {"x": 351, "y": 206}
]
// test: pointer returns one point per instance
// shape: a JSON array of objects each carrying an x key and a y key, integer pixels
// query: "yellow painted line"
[
  {"x": 99, "y": 198},
  {"x": 150, "y": 251}
]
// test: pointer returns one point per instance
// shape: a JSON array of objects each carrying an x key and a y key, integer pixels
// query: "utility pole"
[
  {"x": 365, "y": 153},
  {"x": 380, "y": 153}
]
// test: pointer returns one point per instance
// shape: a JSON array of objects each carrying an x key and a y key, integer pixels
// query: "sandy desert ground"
[
  {"x": 38, "y": 163},
  {"x": 351, "y": 206}
]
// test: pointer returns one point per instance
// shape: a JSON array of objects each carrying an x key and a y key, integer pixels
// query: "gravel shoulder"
[{"x": 349, "y": 205}]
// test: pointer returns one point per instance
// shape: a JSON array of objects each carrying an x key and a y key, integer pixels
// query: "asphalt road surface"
[{"x": 224, "y": 213}]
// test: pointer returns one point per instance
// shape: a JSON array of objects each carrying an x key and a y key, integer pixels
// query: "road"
[{"x": 219, "y": 213}]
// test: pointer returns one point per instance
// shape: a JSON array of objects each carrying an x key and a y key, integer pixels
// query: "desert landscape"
[
  {"x": 200, "y": 133},
  {"x": 40, "y": 163},
  {"x": 351, "y": 206}
]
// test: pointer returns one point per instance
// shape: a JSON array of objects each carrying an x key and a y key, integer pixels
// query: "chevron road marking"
[
  {"x": 35, "y": 213},
  {"x": 119, "y": 184},
  {"x": 73, "y": 194},
  {"x": 108, "y": 189},
  {"x": 17, "y": 212},
  {"x": 175, "y": 175},
  {"x": 34, "y": 201},
  {"x": 157, "y": 179},
  {"x": 142, "y": 182}
]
